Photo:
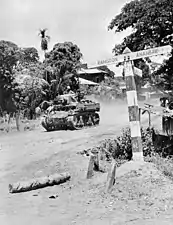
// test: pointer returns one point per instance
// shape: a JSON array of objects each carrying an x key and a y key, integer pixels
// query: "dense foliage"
[
  {"x": 64, "y": 54},
  {"x": 8, "y": 60},
  {"x": 28, "y": 55},
  {"x": 123, "y": 150},
  {"x": 151, "y": 22},
  {"x": 165, "y": 80},
  {"x": 18, "y": 64},
  {"x": 64, "y": 61},
  {"x": 21, "y": 72}
]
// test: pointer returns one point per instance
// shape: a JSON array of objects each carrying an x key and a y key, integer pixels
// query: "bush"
[
  {"x": 165, "y": 165},
  {"x": 121, "y": 148},
  {"x": 147, "y": 142},
  {"x": 124, "y": 149},
  {"x": 125, "y": 146}
]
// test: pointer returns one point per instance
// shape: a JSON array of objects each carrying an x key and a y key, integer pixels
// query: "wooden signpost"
[
  {"x": 127, "y": 57},
  {"x": 133, "y": 108},
  {"x": 133, "y": 55}
]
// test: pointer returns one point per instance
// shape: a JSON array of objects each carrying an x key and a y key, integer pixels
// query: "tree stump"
[
  {"x": 96, "y": 162},
  {"x": 91, "y": 166},
  {"x": 111, "y": 176}
]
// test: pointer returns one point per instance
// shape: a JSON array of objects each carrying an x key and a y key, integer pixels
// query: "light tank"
[{"x": 70, "y": 113}]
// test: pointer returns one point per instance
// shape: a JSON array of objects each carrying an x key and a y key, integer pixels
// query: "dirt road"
[{"x": 143, "y": 198}]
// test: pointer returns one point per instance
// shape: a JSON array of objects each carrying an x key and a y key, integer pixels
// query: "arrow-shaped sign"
[
  {"x": 118, "y": 70},
  {"x": 133, "y": 55},
  {"x": 137, "y": 72}
]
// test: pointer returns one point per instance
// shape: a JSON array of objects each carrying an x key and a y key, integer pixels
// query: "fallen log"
[{"x": 39, "y": 183}]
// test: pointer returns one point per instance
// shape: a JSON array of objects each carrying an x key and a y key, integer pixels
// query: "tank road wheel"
[
  {"x": 50, "y": 125},
  {"x": 96, "y": 119},
  {"x": 77, "y": 122},
  {"x": 85, "y": 120},
  {"x": 44, "y": 123},
  {"x": 50, "y": 128},
  {"x": 90, "y": 121}
]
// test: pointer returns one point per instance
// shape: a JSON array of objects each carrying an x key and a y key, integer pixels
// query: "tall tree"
[
  {"x": 44, "y": 43},
  {"x": 8, "y": 60},
  {"x": 44, "y": 39},
  {"x": 165, "y": 81},
  {"x": 29, "y": 55},
  {"x": 64, "y": 59},
  {"x": 151, "y": 22},
  {"x": 27, "y": 58},
  {"x": 8, "y": 88},
  {"x": 165, "y": 72}
]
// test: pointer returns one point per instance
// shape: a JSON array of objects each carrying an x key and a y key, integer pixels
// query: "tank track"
[{"x": 71, "y": 122}]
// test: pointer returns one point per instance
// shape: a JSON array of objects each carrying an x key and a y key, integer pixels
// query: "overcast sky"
[{"x": 84, "y": 22}]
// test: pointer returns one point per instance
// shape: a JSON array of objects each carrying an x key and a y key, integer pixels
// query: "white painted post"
[{"x": 133, "y": 109}]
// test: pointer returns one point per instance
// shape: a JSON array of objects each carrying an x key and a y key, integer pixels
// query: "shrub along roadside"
[
  {"x": 165, "y": 165},
  {"x": 151, "y": 154},
  {"x": 124, "y": 146},
  {"x": 121, "y": 150}
]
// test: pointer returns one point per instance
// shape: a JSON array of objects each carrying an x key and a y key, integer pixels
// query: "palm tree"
[
  {"x": 44, "y": 39},
  {"x": 44, "y": 42}
]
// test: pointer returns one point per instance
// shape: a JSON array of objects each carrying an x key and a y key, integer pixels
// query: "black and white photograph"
[{"x": 86, "y": 112}]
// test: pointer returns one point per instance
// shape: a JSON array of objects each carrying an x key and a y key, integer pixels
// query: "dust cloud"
[{"x": 116, "y": 112}]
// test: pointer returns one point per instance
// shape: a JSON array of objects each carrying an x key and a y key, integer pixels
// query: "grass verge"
[{"x": 165, "y": 165}]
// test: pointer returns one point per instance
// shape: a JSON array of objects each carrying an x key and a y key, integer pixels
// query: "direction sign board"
[
  {"x": 137, "y": 72},
  {"x": 118, "y": 70},
  {"x": 134, "y": 55}
]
